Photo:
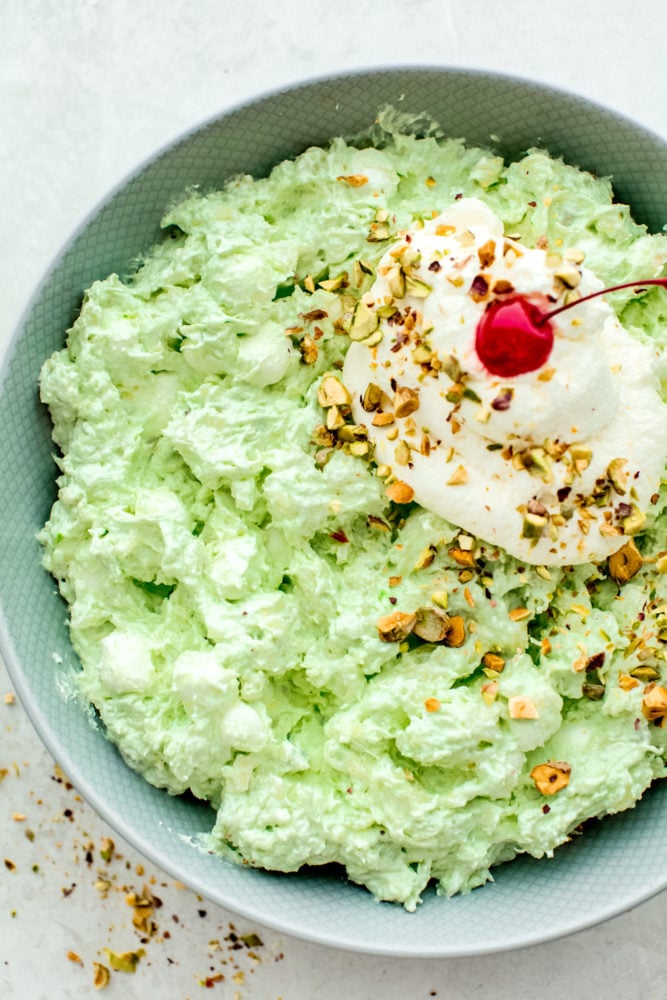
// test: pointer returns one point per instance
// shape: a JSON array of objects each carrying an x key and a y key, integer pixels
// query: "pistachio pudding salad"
[{"x": 362, "y": 510}]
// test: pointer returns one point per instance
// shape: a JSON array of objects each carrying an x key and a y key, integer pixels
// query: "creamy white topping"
[{"x": 558, "y": 465}]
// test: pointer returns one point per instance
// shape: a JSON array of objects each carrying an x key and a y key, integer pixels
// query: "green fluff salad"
[{"x": 381, "y": 603}]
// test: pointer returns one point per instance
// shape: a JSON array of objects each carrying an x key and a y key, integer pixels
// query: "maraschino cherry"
[{"x": 515, "y": 334}]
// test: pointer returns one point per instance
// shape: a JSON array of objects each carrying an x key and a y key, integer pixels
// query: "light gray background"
[{"x": 87, "y": 89}]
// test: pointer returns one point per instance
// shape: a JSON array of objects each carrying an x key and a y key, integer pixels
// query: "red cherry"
[{"x": 514, "y": 336}]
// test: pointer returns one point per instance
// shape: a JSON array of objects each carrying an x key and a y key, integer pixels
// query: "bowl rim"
[{"x": 49, "y": 737}]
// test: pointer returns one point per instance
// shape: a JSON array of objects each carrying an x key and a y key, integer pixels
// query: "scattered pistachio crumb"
[{"x": 101, "y": 976}]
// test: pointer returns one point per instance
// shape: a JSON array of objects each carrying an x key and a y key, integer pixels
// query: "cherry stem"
[{"x": 615, "y": 288}]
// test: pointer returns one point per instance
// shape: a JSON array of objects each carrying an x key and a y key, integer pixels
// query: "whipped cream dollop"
[{"x": 557, "y": 465}]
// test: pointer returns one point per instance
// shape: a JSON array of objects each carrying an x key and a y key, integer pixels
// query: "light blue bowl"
[{"x": 618, "y": 862}]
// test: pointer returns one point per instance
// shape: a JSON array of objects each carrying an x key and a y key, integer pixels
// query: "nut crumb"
[
  {"x": 551, "y": 777},
  {"x": 520, "y": 706},
  {"x": 101, "y": 976}
]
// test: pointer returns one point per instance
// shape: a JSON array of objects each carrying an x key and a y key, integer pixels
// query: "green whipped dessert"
[{"x": 378, "y": 604}]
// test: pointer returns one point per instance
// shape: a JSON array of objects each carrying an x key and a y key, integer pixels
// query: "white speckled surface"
[{"x": 87, "y": 90}]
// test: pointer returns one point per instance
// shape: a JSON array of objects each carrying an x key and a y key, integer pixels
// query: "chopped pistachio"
[
  {"x": 418, "y": 289},
  {"x": 461, "y": 556},
  {"x": 627, "y": 683},
  {"x": 487, "y": 253},
  {"x": 581, "y": 457},
  {"x": 335, "y": 418},
  {"x": 364, "y": 322},
  {"x": 383, "y": 419},
  {"x": 489, "y": 692},
  {"x": 406, "y": 401},
  {"x": 332, "y": 392},
  {"x": 456, "y": 632},
  {"x": 402, "y": 453},
  {"x": 654, "y": 703},
  {"x": 551, "y": 777},
  {"x": 101, "y": 976},
  {"x": 645, "y": 673},
  {"x": 625, "y": 563},
  {"x": 422, "y": 354},
  {"x": 538, "y": 462},
  {"x": 617, "y": 475},
  {"x": 372, "y": 397},
  {"x": 396, "y": 627},
  {"x": 569, "y": 275},
  {"x": 352, "y": 432},
  {"x": 125, "y": 962},
  {"x": 440, "y": 598},
  {"x": 635, "y": 521},
  {"x": 323, "y": 437},
  {"x": 426, "y": 557},
  {"x": 332, "y": 284},
  {"x": 520, "y": 706},
  {"x": 309, "y": 350},
  {"x": 354, "y": 180},
  {"x": 431, "y": 625},
  {"x": 459, "y": 477},
  {"x": 533, "y": 525},
  {"x": 107, "y": 849},
  {"x": 452, "y": 368},
  {"x": 378, "y": 233},
  {"x": 373, "y": 338},
  {"x": 400, "y": 492},
  {"x": 494, "y": 661}
]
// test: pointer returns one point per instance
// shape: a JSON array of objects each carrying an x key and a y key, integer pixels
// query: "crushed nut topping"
[
  {"x": 625, "y": 563},
  {"x": 431, "y": 625},
  {"x": 396, "y": 627},
  {"x": 400, "y": 492},
  {"x": 426, "y": 557},
  {"x": 309, "y": 350},
  {"x": 101, "y": 976},
  {"x": 459, "y": 477},
  {"x": 654, "y": 703},
  {"x": 332, "y": 392},
  {"x": 551, "y": 777},
  {"x": 494, "y": 662},
  {"x": 354, "y": 180},
  {"x": 520, "y": 706},
  {"x": 456, "y": 632},
  {"x": 406, "y": 401}
]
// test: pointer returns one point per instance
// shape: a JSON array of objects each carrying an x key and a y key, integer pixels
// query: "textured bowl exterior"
[{"x": 618, "y": 862}]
